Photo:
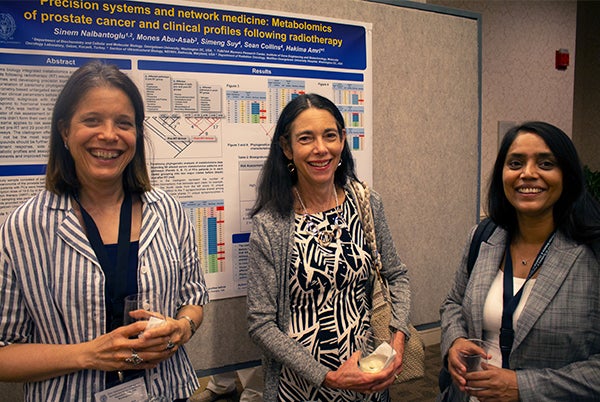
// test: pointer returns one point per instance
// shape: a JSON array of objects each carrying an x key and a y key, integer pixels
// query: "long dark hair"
[
  {"x": 275, "y": 182},
  {"x": 61, "y": 175},
  {"x": 576, "y": 213}
]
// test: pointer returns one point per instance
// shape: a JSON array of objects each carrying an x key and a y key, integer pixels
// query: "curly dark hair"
[{"x": 275, "y": 182}]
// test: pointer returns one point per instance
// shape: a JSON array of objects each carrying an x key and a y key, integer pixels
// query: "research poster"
[{"x": 214, "y": 80}]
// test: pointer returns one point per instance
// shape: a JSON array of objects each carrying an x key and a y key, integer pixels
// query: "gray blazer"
[{"x": 556, "y": 350}]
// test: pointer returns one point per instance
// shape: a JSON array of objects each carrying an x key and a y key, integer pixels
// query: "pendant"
[
  {"x": 311, "y": 227},
  {"x": 325, "y": 237}
]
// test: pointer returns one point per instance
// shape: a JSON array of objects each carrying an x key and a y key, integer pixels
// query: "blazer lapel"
[
  {"x": 484, "y": 271},
  {"x": 552, "y": 274}
]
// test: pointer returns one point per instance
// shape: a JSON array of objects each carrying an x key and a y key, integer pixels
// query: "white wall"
[{"x": 519, "y": 78}]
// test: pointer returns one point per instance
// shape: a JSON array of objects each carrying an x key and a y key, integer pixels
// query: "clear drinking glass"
[
  {"x": 150, "y": 302},
  {"x": 472, "y": 361},
  {"x": 138, "y": 301},
  {"x": 371, "y": 361}
]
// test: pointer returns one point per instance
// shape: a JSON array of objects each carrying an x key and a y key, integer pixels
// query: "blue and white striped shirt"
[{"x": 52, "y": 286}]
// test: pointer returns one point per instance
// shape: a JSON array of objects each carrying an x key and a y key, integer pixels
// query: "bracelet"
[{"x": 192, "y": 323}]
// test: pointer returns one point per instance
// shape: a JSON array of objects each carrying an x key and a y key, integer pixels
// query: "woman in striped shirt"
[{"x": 98, "y": 232}]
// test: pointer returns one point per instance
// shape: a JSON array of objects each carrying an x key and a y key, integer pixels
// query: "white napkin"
[
  {"x": 378, "y": 360},
  {"x": 154, "y": 322}
]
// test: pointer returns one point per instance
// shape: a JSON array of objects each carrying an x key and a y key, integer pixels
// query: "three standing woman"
[
  {"x": 97, "y": 233},
  {"x": 310, "y": 268},
  {"x": 536, "y": 280}
]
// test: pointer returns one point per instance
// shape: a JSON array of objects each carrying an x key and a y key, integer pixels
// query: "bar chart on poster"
[{"x": 209, "y": 218}]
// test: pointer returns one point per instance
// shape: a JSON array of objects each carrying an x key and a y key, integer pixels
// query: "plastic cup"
[{"x": 473, "y": 361}]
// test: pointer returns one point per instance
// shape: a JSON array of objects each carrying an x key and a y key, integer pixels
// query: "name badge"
[{"x": 130, "y": 391}]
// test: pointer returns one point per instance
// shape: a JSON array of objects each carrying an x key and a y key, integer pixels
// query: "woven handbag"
[{"x": 413, "y": 361}]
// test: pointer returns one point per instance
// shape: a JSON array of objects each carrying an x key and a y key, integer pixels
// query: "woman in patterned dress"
[{"x": 310, "y": 269}]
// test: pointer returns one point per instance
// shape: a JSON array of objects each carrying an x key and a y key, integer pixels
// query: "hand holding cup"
[
  {"x": 376, "y": 353},
  {"x": 473, "y": 360},
  {"x": 140, "y": 306}
]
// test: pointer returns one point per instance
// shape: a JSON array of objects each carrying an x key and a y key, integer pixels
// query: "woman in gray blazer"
[{"x": 533, "y": 294}]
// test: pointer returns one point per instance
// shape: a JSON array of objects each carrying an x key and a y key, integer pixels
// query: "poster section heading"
[{"x": 152, "y": 29}]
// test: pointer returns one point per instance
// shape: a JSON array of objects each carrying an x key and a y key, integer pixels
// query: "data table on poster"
[
  {"x": 350, "y": 99},
  {"x": 280, "y": 93},
  {"x": 348, "y": 94},
  {"x": 246, "y": 106}
]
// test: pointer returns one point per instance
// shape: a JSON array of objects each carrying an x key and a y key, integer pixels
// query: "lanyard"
[
  {"x": 510, "y": 302},
  {"x": 116, "y": 277}
]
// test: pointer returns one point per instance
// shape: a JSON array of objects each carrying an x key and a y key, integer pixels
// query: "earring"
[
  {"x": 291, "y": 167},
  {"x": 340, "y": 162},
  {"x": 66, "y": 145}
]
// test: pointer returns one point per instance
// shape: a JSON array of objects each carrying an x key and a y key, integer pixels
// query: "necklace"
[
  {"x": 523, "y": 253},
  {"x": 324, "y": 236}
]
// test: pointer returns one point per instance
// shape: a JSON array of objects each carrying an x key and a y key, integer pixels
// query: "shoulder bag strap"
[
  {"x": 483, "y": 232},
  {"x": 365, "y": 213}
]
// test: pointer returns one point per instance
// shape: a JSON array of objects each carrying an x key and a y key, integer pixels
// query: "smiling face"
[
  {"x": 314, "y": 145},
  {"x": 101, "y": 136},
  {"x": 532, "y": 179}
]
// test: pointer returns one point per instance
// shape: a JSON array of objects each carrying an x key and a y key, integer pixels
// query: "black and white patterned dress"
[{"x": 329, "y": 304}]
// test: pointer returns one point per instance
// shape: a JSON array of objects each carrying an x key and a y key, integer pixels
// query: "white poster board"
[{"x": 214, "y": 80}]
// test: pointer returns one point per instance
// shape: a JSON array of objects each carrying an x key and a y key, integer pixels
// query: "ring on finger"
[
  {"x": 135, "y": 359},
  {"x": 170, "y": 345}
]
